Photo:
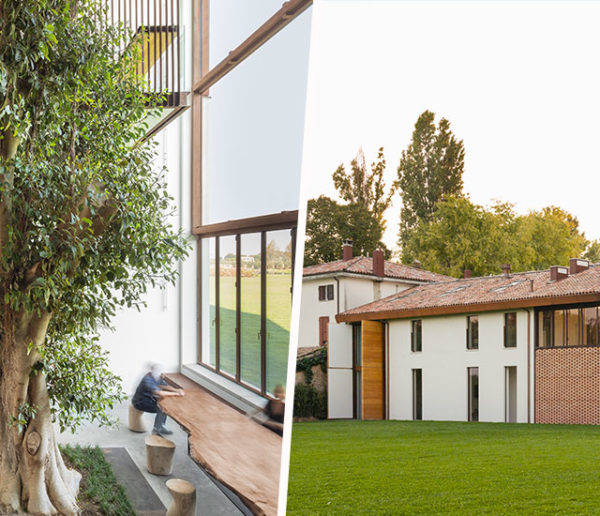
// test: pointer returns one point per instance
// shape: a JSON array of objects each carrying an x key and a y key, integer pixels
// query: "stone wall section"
[{"x": 567, "y": 385}]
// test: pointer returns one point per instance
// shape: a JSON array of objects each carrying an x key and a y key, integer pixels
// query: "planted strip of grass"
[
  {"x": 422, "y": 467},
  {"x": 100, "y": 493}
]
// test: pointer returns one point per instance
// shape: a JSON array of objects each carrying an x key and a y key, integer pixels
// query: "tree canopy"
[
  {"x": 84, "y": 230},
  {"x": 463, "y": 235},
  {"x": 360, "y": 218},
  {"x": 430, "y": 169}
]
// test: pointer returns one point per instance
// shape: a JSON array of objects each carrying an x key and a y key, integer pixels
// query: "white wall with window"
[{"x": 444, "y": 362}]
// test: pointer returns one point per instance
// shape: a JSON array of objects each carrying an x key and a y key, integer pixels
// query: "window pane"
[
  {"x": 416, "y": 336},
  {"x": 250, "y": 309},
  {"x": 253, "y": 127},
  {"x": 232, "y": 21},
  {"x": 472, "y": 332},
  {"x": 545, "y": 328},
  {"x": 590, "y": 321},
  {"x": 559, "y": 328},
  {"x": 473, "y": 373},
  {"x": 279, "y": 305},
  {"x": 510, "y": 335},
  {"x": 209, "y": 328},
  {"x": 227, "y": 304},
  {"x": 573, "y": 327}
]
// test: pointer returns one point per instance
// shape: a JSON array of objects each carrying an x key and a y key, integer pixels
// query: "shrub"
[{"x": 309, "y": 402}]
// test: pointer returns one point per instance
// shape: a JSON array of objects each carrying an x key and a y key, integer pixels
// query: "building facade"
[{"x": 510, "y": 348}]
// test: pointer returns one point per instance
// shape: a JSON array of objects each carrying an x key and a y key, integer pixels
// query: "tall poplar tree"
[{"x": 430, "y": 169}]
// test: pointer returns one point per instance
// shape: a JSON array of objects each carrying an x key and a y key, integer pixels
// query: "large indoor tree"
[{"x": 83, "y": 231}]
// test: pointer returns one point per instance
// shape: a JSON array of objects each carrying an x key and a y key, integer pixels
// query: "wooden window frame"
[{"x": 538, "y": 331}]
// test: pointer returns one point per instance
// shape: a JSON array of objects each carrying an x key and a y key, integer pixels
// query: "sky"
[{"x": 518, "y": 81}]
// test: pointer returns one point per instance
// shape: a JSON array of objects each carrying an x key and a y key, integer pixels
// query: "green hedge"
[{"x": 309, "y": 402}]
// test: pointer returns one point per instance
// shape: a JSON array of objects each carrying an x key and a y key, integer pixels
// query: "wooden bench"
[{"x": 238, "y": 452}]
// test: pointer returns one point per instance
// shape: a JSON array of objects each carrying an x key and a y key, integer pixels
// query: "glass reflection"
[
  {"x": 279, "y": 305},
  {"x": 227, "y": 304}
]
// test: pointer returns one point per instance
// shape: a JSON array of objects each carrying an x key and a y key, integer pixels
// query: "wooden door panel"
[{"x": 372, "y": 370}]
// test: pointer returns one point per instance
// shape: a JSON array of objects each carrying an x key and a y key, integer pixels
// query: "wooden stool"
[
  {"x": 159, "y": 455},
  {"x": 184, "y": 498},
  {"x": 136, "y": 423}
]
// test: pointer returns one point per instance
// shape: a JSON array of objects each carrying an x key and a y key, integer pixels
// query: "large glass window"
[
  {"x": 247, "y": 306},
  {"x": 253, "y": 128},
  {"x": 472, "y": 332},
  {"x": 568, "y": 327},
  {"x": 278, "y": 305},
  {"x": 227, "y": 304},
  {"x": 510, "y": 330},
  {"x": 250, "y": 293}
]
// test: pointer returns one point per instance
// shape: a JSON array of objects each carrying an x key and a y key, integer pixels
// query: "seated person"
[
  {"x": 275, "y": 409},
  {"x": 152, "y": 388}
]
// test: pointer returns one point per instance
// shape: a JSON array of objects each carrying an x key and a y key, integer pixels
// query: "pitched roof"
[
  {"x": 518, "y": 290},
  {"x": 364, "y": 265}
]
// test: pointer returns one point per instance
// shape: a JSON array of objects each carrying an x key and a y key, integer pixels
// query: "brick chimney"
[
  {"x": 577, "y": 265},
  {"x": 557, "y": 272},
  {"x": 468, "y": 273},
  {"x": 347, "y": 250},
  {"x": 506, "y": 269},
  {"x": 417, "y": 264},
  {"x": 378, "y": 263}
]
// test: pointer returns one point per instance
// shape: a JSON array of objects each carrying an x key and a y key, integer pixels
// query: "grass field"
[
  {"x": 279, "y": 307},
  {"x": 422, "y": 467}
]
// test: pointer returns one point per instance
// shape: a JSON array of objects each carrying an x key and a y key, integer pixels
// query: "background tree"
[
  {"x": 360, "y": 219},
  {"x": 430, "y": 169},
  {"x": 83, "y": 231},
  {"x": 462, "y": 235}
]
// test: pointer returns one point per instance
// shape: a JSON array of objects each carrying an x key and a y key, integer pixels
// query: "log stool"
[
  {"x": 136, "y": 423},
  {"x": 184, "y": 498},
  {"x": 159, "y": 455}
]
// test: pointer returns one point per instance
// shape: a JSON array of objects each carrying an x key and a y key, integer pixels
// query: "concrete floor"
[{"x": 210, "y": 499}]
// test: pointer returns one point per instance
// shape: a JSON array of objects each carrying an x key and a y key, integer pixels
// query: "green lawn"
[
  {"x": 422, "y": 467},
  {"x": 279, "y": 309}
]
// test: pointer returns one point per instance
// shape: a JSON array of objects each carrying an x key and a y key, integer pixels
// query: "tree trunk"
[{"x": 33, "y": 476}]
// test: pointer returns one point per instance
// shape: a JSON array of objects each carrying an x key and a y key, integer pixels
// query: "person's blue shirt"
[{"x": 144, "y": 398}]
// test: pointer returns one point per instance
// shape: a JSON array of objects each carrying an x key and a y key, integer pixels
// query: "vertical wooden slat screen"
[
  {"x": 155, "y": 25},
  {"x": 373, "y": 403}
]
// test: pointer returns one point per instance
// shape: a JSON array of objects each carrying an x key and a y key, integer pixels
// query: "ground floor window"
[
  {"x": 245, "y": 304},
  {"x": 558, "y": 327},
  {"x": 417, "y": 394},
  {"x": 510, "y": 389},
  {"x": 473, "y": 382},
  {"x": 357, "y": 371}
]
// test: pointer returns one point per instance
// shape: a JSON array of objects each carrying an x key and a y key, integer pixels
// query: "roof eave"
[{"x": 470, "y": 308}]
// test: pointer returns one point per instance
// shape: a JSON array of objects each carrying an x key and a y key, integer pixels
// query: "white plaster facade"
[
  {"x": 350, "y": 291},
  {"x": 444, "y": 360}
]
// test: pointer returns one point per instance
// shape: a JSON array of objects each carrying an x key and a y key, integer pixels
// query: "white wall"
[
  {"x": 444, "y": 361},
  {"x": 354, "y": 291},
  {"x": 165, "y": 331}
]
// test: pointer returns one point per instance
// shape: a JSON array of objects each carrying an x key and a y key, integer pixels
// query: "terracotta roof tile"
[
  {"x": 364, "y": 265},
  {"x": 481, "y": 293}
]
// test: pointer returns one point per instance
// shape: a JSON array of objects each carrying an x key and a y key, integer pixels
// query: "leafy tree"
[
  {"x": 462, "y": 235},
  {"x": 430, "y": 169},
  {"x": 83, "y": 231},
  {"x": 360, "y": 219},
  {"x": 329, "y": 223},
  {"x": 363, "y": 188},
  {"x": 592, "y": 252}
]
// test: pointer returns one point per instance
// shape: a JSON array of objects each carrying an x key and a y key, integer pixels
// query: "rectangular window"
[
  {"x": 246, "y": 305},
  {"x": 415, "y": 336},
  {"x": 472, "y": 332},
  {"x": 573, "y": 327},
  {"x": 322, "y": 293},
  {"x": 546, "y": 329},
  {"x": 329, "y": 292},
  {"x": 417, "y": 394},
  {"x": 590, "y": 326},
  {"x": 473, "y": 380},
  {"x": 323, "y": 331},
  {"x": 510, "y": 394},
  {"x": 510, "y": 330}
]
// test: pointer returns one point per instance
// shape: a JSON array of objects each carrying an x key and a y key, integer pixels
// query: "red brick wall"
[{"x": 567, "y": 385}]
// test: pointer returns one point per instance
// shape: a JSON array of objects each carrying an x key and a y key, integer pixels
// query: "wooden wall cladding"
[{"x": 373, "y": 402}]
